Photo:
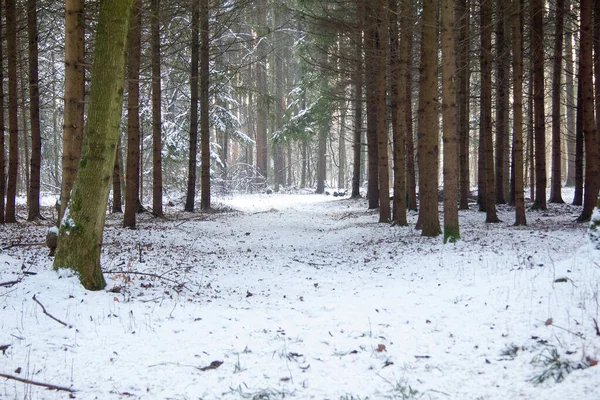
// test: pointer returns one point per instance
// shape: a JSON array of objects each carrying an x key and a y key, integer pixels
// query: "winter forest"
[{"x": 267, "y": 199}]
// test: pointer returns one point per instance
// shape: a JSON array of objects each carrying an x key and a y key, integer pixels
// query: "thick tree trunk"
[
  {"x": 204, "y": 109},
  {"x": 13, "y": 110},
  {"x": 74, "y": 96},
  {"x": 428, "y": 123},
  {"x": 34, "y": 114},
  {"x": 132, "y": 188},
  {"x": 590, "y": 196},
  {"x": 450, "y": 136},
  {"x": 398, "y": 70},
  {"x": 556, "y": 178},
  {"x": 193, "y": 141},
  {"x": 520, "y": 218},
  {"x": 537, "y": 46},
  {"x": 80, "y": 234},
  {"x": 157, "y": 181}
]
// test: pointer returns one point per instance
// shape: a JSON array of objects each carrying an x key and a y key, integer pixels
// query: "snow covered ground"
[{"x": 306, "y": 296}]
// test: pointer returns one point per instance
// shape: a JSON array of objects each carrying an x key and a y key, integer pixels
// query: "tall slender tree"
[
  {"x": 502, "y": 118},
  {"x": 204, "y": 108},
  {"x": 428, "y": 136},
  {"x": 537, "y": 46},
  {"x": 520, "y": 218},
  {"x": 586, "y": 78},
  {"x": 34, "y": 113},
  {"x": 2, "y": 128},
  {"x": 556, "y": 177},
  {"x": 132, "y": 185},
  {"x": 157, "y": 179},
  {"x": 193, "y": 140},
  {"x": 462, "y": 89},
  {"x": 13, "y": 110},
  {"x": 450, "y": 136},
  {"x": 371, "y": 82},
  {"x": 358, "y": 103}
]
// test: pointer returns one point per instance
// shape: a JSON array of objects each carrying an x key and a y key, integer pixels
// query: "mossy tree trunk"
[{"x": 80, "y": 234}]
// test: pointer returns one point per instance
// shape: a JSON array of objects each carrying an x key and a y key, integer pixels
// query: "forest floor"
[{"x": 306, "y": 296}]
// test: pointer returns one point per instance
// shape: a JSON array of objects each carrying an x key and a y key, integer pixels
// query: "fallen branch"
[
  {"x": 30, "y": 382},
  {"x": 596, "y": 325},
  {"x": 10, "y": 246},
  {"x": 47, "y": 313},
  {"x": 10, "y": 283}
]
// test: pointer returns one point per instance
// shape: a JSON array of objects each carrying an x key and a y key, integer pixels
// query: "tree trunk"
[
  {"x": 2, "y": 130},
  {"x": 520, "y": 218},
  {"x": 463, "y": 75},
  {"x": 321, "y": 160},
  {"x": 262, "y": 157},
  {"x": 586, "y": 78},
  {"x": 193, "y": 144},
  {"x": 204, "y": 109},
  {"x": 502, "y": 89},
  {"x": 372, "y": 104},
  {"x": 132, "y": 188},
  {"x": 117, "y": 204},
  {"x": 398, "y": 70},
  {"x": 411, "y": 176},
  {"x": 428, "y": 123},
  {"x": 486, "y": 111},
  {"x": 358, "y": 108},
  {"x": 537, "y": 46},
  {"x": 570, "y": 100},
  {"x": 80, "y": 234},
  {"x": 381, "y": 45},
  {"x": 34, "y": 113},
  {"x": 450, "y": 136},
  {"x": 556, "y": 178},
  {"x": 342, "y": 150},
  {"x": 578, "y": 196},
  {"x": 157, "y": 181},
  {"x": 74, "y": 97},
  {"x": 13, "y": 110}
]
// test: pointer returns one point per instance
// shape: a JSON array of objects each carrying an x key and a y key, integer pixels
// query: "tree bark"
[
  {"x": 13, "y": 110},
  {"x": 578, "y": 196},
  {"x": 262, "y": 157},
  {"x": 502, "y": 89},
  {"x": 381, "y": 46},
  {"x": 463, "y": 76},
  {"x": 2, "y": 130},
  {"x": 74, "y": 97},
  {"x": 428, "y": 147},
  {"x": 117, "y": 204},
  {"x": 372, "y": 104},
  {"x": 157, "y": 181},
  {"x": 590, "y": 196},
  {"x": 34, "y": 114},
  {"x": 537, "y": 46},
  {"x": 80, "y": 234},
  {"x": 450, "y": 134},
  {"x": 411, "y": 175},
  {"x": 358, "y": 108},
  {"x": 132, "y": 186},
  {"x": 556, "y": 178},
  {"x": 520, "y": 218},
  {"x": 570, "y": 100},
  {"x": 398, "y": 71},
  {"x": 193, "y": 141},
  {"x": 204, "y": 108}
]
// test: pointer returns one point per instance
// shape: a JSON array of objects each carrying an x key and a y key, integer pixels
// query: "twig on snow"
[
  {"x": 596, "y": 325},
  {"x": 146, "y": 274},
  {"x": 47, "y": 313},
  {"x": 30, "y": 382},
  {"x": 10, "y": 283}
]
